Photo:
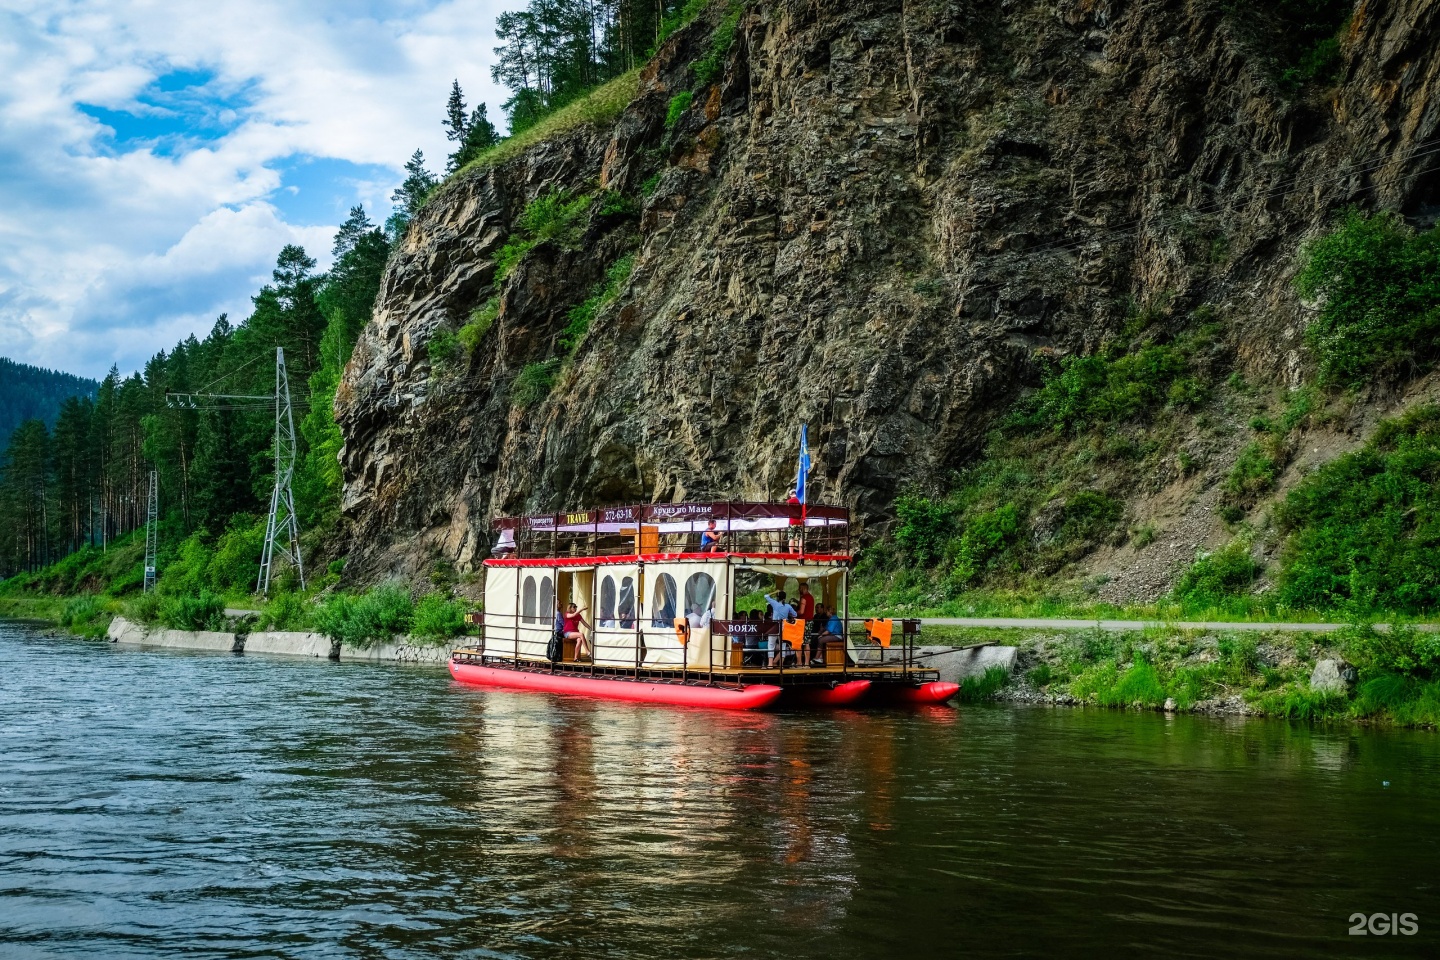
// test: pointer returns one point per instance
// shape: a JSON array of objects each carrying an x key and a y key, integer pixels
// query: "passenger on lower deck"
[{"x": 572, "y": 620}]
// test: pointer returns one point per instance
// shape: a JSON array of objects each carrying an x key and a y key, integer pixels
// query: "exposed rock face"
[{"x": 877, "y": 222}]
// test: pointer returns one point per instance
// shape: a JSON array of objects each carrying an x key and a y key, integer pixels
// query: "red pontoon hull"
[
  {"x": 756, "y": 697},
  {"x": 840, "y": 695},
  {"x": 934, "y": 692}
]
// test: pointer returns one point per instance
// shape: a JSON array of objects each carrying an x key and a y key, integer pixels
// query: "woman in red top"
[{"x": 574, "y": 619}]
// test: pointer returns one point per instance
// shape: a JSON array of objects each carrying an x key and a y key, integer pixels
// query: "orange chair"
[
  {"x": 792, "y": 633},
  {"x": 880, "y": 631},
  {"x": 682, "y": 631}
]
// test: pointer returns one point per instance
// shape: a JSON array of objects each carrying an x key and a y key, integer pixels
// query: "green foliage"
[
  {"x": 1213, "y": 578},
  {"x": 534, "y": 382},
  {"x": 984, "y": 539},
  {"x": 1378, "y": 284},
  {"x": 710, "y": 66},
  {"x": 1252, "y": 475},
  {"x": 550, "y": 216},
  {"x": 1088, "y": 515},
  {"x": 1401, "y": 650},
  {"x": 595, "y": 109},
  {"x": 1095, "y": 390},
  {"x": 923, "y": 528},
  {"x": 681, "y": 16},
  {"x": 613, "y": 203},
  {"x": 580, "y": 316},
  {"x": 1041, "y": 676},
  {"x": 651, "y": 183},
  {"x": 30, "y": 393},
  {"x": 983, "y": 687},
  {"x": 144, "y": 608},
  {"x": 1363, "y": 532},
  {"x": 442, "y": 348},
  {"x": 285, "y": 611},
  {"x": 437, "y": 617},
  {"x": 678, "y": 105},
  {"x": 235, "y": 565},
  {"x": 200, "y": 611},
  {"x": 482, "y": 318},
  {"x": 365, "y": 620}
]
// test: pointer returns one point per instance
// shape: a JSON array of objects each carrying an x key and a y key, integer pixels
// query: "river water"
[{"x": 167, "y": 804}]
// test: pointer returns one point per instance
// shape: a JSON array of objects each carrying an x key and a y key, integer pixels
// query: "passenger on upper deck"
[
  {"x": 710, "y": 539},
  {"x": 794, "y": 545}
]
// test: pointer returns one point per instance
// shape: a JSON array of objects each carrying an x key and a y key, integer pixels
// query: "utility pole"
[
  {"x": 282, "y": 528},
  {"x": 152, "y": 531}
]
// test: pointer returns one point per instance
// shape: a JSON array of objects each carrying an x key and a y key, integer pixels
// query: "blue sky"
[{"x": 155, "y": 157}]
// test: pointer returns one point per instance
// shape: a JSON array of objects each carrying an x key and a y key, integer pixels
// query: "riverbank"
[{"x": 1355, "y": 674}]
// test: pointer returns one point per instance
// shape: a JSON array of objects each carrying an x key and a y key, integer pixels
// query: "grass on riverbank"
[{"x": 1398, "y": 672}]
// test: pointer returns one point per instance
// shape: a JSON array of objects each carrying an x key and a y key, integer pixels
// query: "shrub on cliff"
[
  {"x": 1217, "y": 577},
  {"x": 1364, "y": 531},
  {"x": 1377, "y": 281}
]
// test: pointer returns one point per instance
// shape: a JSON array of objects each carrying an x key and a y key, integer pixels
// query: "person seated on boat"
[
  {"x": 825, "y": 628},
  {"x": 571, "y": 622},
  {"x": 710, "y": 539},
  {"x": 699, "y": 619},
  {"x": 754, "y": 655},
  {"x": 627, "y": 611}
]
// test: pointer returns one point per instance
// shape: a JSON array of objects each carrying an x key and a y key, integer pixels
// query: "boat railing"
[
  {"x": 746, "y": 646},
  {"x": 679, "y": 529}
]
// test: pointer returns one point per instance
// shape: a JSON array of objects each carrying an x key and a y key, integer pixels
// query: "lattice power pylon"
[
  {"x": 152, "y": 531},
  {"x": 282, "y": 529}
]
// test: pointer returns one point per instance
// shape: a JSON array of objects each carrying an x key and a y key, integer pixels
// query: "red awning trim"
[{"x": 818, "y": 559}]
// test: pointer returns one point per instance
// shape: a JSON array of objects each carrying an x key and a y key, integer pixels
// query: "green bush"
[
  {"x": 482, "y": 318},
  {"x": 606, "y": 290},
  {"x": 202, "y": 611},
  {"x": 362, "y": 621},
  {"x": 985, "y": 537},
  {"x": 235, "y": 566},
  {"x": 1088, "y": 515},
  {"x": 983, "y": 687},
  {"x": 442, "y": 348},
  {"x": 144, "y": 608},
  {"x": 710, "y": 66},
  {"x": 1363, "y": 532},
  {"x": 285, "y": 611},
  {"x": 534, "y": 382},
  {"x": 437, "y": 617},
  {"x": 1216, "y": 577},
  {"x": 1099, "y": 389},
  {"x": 923, "y": 527},
  {"x": 1252, "y": 475},
  {"x": 1400, "y": 650},
  {"x": 678, "y": 105},
  {"x": 551, "y": 216},
  {"x": 1378, "y": 284},
  {"x": 79, "y": 612}
]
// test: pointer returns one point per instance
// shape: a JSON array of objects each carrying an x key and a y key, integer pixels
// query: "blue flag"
[{"x": 804, "y": 466}]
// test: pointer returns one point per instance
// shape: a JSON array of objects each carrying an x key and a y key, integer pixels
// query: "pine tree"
[
  {"x": 455, "y": 123},
  {"x": 410, "y": 196}
]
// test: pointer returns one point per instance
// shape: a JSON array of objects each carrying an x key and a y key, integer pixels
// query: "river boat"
[{"x": 668, "y": 592}]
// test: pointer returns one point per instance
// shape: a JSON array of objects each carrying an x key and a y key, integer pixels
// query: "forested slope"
[{"x": 30, "y": 393}]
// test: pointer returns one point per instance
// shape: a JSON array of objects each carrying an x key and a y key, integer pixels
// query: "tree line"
[
  {"x": 28, "y": 393},
  {"x": 86, "y": 482}
]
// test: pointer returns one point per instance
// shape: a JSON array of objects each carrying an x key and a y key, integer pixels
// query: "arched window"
[
  {"x": 662, "y": 602},
  {"x": 627, "y": 602},
  {"x": 546, "y": 613},
  {"x": 699, "y": 599},
  {"x": 607, "y": 602},
  {"x": 527, "y": 600}
]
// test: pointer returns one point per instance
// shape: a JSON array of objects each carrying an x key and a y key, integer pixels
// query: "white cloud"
[{"x": 112, "y": 248}]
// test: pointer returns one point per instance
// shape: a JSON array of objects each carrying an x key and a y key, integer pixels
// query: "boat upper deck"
[{"x": 677, "y": 531}]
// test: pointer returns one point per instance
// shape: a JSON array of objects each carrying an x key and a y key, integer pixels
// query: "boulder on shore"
[{"x": 1332, "y": 676}]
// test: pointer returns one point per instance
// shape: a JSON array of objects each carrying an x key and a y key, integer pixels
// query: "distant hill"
[{"x": 27, "y": 392}]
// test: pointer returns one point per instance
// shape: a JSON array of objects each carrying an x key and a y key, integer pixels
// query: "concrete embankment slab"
[
  {"x": 123, "y": 631},
  {"x": 403, "y": 650},
  {"x": 290, "y": 644},
  {"x": 955, "y": 664}
]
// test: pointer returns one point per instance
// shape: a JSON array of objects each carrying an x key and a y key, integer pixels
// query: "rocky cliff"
[{"x": 882, "y": 219}]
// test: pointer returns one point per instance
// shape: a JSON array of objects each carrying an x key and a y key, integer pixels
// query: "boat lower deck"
[{"x": 736, "y": 677}]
